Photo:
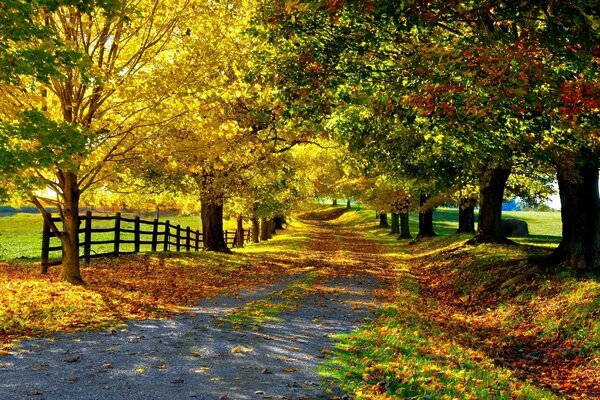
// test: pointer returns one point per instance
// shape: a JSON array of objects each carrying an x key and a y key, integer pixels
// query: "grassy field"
[
  {"x": 463, "y": 321},
  {"x": 141, "y": 286},
  {"x": 544, "y": 227},
  {"x": 21, "y": 234},
  {"x": 21, "y": 237},
  {"x": 453, "y": 321}
]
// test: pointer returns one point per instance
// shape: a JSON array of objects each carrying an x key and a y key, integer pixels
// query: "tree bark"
[
  {"x": 255, "y": 230},
  {"x": 269, "y": 228},
  {"x": 211, "y": 212},
  {"x": 404, "y": 226},
  {"x": 348, "y": 204},
  {"x": 383, "y": 222},
  {"x": 69, "y": 238},
  {"x": 395, "y": 228},
  {"x": 279, "y": 222},
  {"x": 425, "y": 219},
  {"x": 264, "y": 229},
  {"x": 334, "y": 202},
  {"x": 466, "y": 215},
  {"x": 239, "y": 239},
  {"x": 580, "y": 214},
  {"x": 489, "y": 228}
]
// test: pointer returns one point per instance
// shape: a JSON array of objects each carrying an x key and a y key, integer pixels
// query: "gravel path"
[{"x": 192, "y": 355}]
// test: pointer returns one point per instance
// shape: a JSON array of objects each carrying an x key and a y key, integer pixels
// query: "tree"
[
  {"x": 498, "y": 83},
  {"x": 79, "y": 125}
]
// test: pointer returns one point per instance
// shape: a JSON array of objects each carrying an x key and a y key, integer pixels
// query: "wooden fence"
[{"x": 160, "y": 236}]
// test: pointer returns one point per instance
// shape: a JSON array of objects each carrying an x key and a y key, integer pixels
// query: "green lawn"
[
  {"x": 21, "y": 234},
  {"x": 544, "y": 226}
]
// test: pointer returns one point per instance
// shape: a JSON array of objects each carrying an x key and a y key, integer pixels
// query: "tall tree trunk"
[
  {"x": 491, "y": 195},
  {"x": 348, "y": 204},
  {"x": 255, "y": 230},
  {"x": 334, "y": 202},
  {"x": 279, "y": 222},
  {"x": 211, "y": 212},
  {"x": 239, "y": 239},
  {"x": 395, "y": 229},
  {"x": 404, "y": 226},
  {"x": 269, "y": 228},
  {"x": 425, "y": 219},
  {"x": 264, "y": 229},
  {"x": 466, "y": 215},
  {"x": 383, "y": 222},
  {"x": 580, "y": 214},
  {"x": 69, "y": 238}
]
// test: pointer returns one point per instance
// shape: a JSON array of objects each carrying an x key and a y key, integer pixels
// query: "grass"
[
  {"x": 450, "y": 327},
  {"x": 255, "y": 313},
  {"x": 21, "y": 234},
  {"x": 459, "y": 325},
  {"x": 143, "y": 286}
]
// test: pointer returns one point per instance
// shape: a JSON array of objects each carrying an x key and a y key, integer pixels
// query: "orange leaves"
[
  {"x": 141, "y": 287},
  {"x": 578, "y": 97},
  {"x": 527, "y": 328}
]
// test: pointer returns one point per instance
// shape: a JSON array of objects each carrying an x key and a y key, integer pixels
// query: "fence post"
[
  {"x": 87, "y": 238},
  {"x": 187, "y": 238},
  {"x": 166, "y": 239},
  {"x": 136, "y": 235},
  {"x": 178, "y": 237},
  {"x": 154, "y": 234},
  {"x": 197, "y": 240},
  {"x": 117, "y": 233},
  {"x": 45, "y": 245}
]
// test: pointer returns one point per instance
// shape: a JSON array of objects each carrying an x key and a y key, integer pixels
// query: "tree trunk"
[
  {"x": 269, "y": 228},
  {"x": 212, "y": 226},
  {"x": 425, "y": 219},
  {"x": 395, "y": 229},
  {"x": 489, "y": 228},
  {"x": 264, "y": 229},
  {"x": 348, "y": 204},
  {"x": 334, "y": 202},
  {"x": 404, "y": 226},
  {"x": 255, "y": 230},
  {"x": 239, "y": 239},
  {"x": 69, "y": 238},
  {"x": 279, "y": 222},
  {"x": 273, "y": 228},
  {"x": 580, "y": 214},
  {"x": 466, "y": 216},
  {"x": 383, "y": 222}
]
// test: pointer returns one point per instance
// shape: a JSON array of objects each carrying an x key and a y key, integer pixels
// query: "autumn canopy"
[{"x": 249, "y": 108}]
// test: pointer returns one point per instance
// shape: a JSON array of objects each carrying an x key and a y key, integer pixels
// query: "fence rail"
[{"x": 161, "y": 236}]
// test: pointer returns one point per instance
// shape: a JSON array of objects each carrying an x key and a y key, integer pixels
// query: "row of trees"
[
  {"x": 151, "y": 96},
  {"x": 208, "y": 100},
  {"x": 464, "y": 99}
]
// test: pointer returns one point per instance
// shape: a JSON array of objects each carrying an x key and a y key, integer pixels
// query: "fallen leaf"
[{"x": 241, "y": 349}]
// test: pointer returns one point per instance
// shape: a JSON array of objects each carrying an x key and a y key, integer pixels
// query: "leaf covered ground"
[
  {"x": 455, "y": 321},
  {"x": 473, "y": 322},
  {"x": 147, "y": 286}
]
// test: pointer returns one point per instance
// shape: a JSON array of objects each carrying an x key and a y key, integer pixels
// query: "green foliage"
[
  {"x": 442, "y": 92},
  {"x": 28, "y": 48},
  {"x": 38, "y": 142}
]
